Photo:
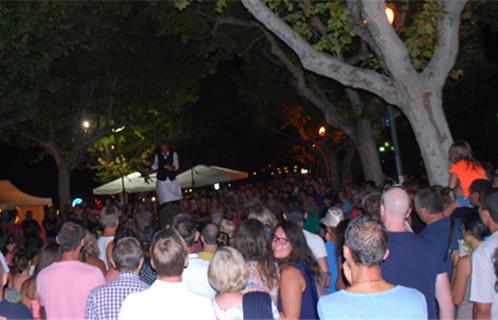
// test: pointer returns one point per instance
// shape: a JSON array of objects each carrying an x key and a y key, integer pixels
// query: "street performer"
[{"x": 166, "y": 165}]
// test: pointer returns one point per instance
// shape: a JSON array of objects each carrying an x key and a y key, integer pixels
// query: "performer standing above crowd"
[{"x": 166, "y": 165}]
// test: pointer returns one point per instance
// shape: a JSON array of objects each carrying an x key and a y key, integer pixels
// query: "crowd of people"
[{"x": 292, "y": 247}]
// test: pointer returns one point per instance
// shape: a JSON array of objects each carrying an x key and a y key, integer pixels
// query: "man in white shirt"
[
  {"x": 195, "y": 275},
  {"x": 482, "y": 289},
  {"x": 294, "y": 212},
  {"x": 166, "y": 165},
  {"x": 168, "y": 297}
]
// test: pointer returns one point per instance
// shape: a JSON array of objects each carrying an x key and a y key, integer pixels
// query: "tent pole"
[
  {"x": 192, "y": 174},
  {"x": 123, "y": 191}
]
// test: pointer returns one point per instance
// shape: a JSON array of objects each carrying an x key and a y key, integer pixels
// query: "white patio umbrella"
[{"x": 198, "y": 176}]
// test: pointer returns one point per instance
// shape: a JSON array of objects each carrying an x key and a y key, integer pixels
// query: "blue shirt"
[
  {"x": 438, "y": 233},
  {"x": 399, "y": 303},
  {"x": 414, "y": 262},
  {"x": 332, "y": 261},
  {"x": 11, "y": 310}
]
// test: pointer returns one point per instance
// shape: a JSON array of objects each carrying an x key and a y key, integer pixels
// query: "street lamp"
[
  {"x": 322, "y": 131},
  {"x": 390, "y": 15},
  {"x": 85, "y": 124}
]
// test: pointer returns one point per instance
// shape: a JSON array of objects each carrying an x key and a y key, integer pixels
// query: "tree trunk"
[
  {"x": 417, "y": 94},
  {"x": 433, "y": 136},
  {"x": 368, "y": 154},
  {"x": 345, "y": 163},
  {"x": 64, "y": 183},
  {"x": 335, "y": 178},
  {"x": 369, "y": 158}
]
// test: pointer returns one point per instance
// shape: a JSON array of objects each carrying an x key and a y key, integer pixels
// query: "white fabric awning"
[
  {"x": 198, "y": 176},
  {"x": 11, "y": 197}
]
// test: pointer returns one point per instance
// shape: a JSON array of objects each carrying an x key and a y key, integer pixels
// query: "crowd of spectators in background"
[{"x": 291, "y": 247}]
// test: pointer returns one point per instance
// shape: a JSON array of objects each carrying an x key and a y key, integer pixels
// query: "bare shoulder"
[
  {"x": 290, "y": 272},
  {"x": 464, "y": 262}
]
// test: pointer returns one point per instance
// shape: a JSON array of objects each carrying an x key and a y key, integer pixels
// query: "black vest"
[{"x": 163, "y": 173}]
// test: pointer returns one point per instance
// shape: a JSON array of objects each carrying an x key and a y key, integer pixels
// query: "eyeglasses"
[{"x": 282, "y": 241}]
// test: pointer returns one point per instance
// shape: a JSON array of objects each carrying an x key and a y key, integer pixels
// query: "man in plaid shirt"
[{"x": 104, "y": 302}]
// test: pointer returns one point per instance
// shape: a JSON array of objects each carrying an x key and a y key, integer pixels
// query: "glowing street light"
[
  {"x": 390, "y": 15},
  {"x": 322, "y": 131},
  {"x": 85, "y": 124}
]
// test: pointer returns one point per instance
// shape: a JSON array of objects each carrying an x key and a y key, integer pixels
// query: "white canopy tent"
[
  {"x": 198, "y": 176},
  {"x": 13, "y": 198}
]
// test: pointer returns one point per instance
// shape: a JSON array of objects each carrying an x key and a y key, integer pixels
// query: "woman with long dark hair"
[
  {"x": 474, "y": 232},
  {"x": 252, "y": 242},
  {"x": 299, "y": 273}
]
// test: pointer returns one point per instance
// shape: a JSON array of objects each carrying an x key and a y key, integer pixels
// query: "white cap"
[{"x": 333, "y": 217}]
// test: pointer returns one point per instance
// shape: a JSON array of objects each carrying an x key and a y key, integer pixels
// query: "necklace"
[{"x": 367, "y": 281}]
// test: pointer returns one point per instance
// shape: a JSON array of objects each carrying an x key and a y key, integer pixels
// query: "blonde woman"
[
  {"x": 90, "y": 252},
  {"x": 227, "y": 273}
]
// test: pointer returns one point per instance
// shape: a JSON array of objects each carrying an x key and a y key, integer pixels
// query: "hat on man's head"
[{"x": 333, "y": 217}]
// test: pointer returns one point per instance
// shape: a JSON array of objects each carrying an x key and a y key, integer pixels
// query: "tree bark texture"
[
  {"x": 417, "y": 94},
  {"x": 345, "y": 163},
  {"x": 64, "y": 183},
  {"x": 369, "y": 157}
]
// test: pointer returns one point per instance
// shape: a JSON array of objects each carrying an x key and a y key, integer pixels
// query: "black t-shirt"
[
  {"x": 414, "y": 262},
  {"x": 11, "y": 310}
]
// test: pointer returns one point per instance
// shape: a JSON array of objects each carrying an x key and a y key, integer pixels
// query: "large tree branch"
[
  {"x": 47, "y": 144},
  {"x": 321, "y": 63},
  {"x": 392, "y": 50},
  {"x": 316, "y": 97},
  {"x": 446, "y": 50},
  {"x": 10, "y": 121},
  {"x": 355, "y": 100},
  {"x": 359, "y": 27},
  {"x": 81, "y": 146}
]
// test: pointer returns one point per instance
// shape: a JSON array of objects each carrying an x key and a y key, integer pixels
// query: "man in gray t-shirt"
[{"x": 370, "y": 296}]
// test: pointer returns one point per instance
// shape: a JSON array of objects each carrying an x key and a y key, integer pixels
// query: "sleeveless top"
[
  {"x": 162, "y": 172},
  {"x": 309, "y": 298},
  {"x": 255, "y": 282}
]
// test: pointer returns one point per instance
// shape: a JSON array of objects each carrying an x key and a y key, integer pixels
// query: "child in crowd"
[
  {"x": 464, "y": 169},
  {"x": 331, "y": 220}
]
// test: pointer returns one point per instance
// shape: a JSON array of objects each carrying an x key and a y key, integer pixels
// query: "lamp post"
[
  {"x": 391, "y": 123},
  {"x": 85, "y": 124}
]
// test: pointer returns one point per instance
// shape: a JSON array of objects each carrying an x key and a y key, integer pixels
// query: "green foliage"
[
  {"x": 421, "y": 35},
  {"x": 113, "y": 64},
  {"x": 339, "y": 32},
  {"x": 336, "y": 34}
]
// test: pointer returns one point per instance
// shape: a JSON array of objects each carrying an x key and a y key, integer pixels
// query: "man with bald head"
[{"x": 413, "y": 261}]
